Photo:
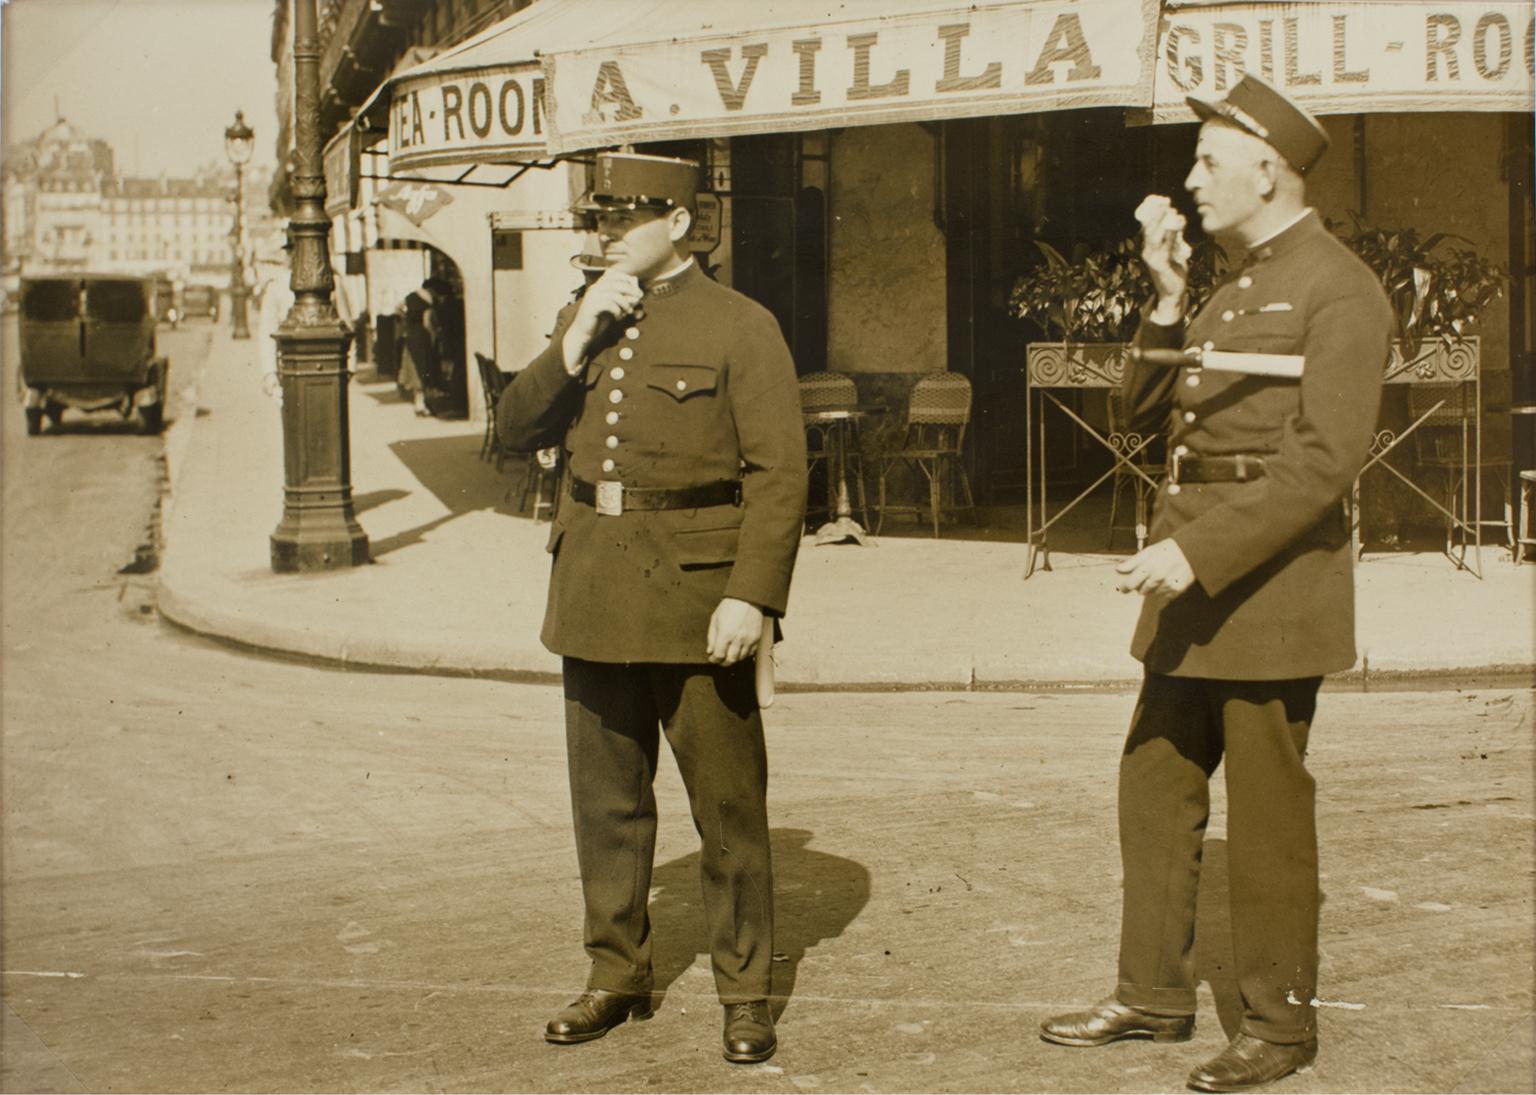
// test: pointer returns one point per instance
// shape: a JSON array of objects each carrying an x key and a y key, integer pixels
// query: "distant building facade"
[{"x": 67, "y": 208}]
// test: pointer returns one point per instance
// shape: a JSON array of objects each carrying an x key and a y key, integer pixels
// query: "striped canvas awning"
[
  {"x": 563, "y": 76},
  {"x": 1350, "y": 56}
]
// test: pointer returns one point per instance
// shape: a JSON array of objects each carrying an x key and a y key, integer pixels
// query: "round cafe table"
[{"x": 842, "y": 528}]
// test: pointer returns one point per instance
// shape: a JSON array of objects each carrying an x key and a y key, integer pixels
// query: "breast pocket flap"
[{"x": 683, "y": 381}]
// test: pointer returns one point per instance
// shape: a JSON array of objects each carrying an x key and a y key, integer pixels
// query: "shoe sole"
[
  {"x": 1227, "y": 1089},
  {"x": 1086, "y": 1043},
  {"x": 751, "y": 1058},
  {"x": 639, "y": 1015}
]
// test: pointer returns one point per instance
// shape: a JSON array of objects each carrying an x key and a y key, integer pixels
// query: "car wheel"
[
  {"x": 34, "y": 421},
  {"x": 152, "y": 415},
  {"x": 55, "y": 413}
]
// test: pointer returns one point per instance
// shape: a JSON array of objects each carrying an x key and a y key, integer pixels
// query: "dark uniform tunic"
[
  {"x": 1234, "y": 663},
  {"x": 1275, "y": 594},
  {"x": 696, "y": 388},
  {"x": 700, "y": 389}
]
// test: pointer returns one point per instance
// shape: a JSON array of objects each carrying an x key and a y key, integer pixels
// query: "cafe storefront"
[{"x": 883, "y": 177}]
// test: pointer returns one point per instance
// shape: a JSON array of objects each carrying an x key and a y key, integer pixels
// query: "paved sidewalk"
[{"x": 459, "y": 576}]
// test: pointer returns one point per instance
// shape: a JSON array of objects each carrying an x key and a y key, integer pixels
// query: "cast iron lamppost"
[
  {"x": 239, "y": 141},
  {"x": 319, "y": 529}
]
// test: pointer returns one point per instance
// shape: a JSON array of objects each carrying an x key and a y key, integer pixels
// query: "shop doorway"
[
  {"x": 779, "y": 236},
  {"x": 1071, "y": 179},
  {"x": 416, "y": 293}
]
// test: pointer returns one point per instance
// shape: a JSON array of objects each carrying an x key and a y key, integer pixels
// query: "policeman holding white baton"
[{"x": 1269, "y": 395}]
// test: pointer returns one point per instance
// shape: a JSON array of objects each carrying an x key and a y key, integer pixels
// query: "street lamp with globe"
[{"x": 239, "y": 143}]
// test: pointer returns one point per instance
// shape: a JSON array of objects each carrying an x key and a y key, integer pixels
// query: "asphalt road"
[{"x": 223, "y": 872}]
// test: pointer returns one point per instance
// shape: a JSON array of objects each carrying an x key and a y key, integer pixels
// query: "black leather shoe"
[
  {"x": 749, "y": 1036},
  {"x": 1110, "y": 1020},
  {"x": 594, "y": 1013},
  {"x": 1249, "y": 1062}
]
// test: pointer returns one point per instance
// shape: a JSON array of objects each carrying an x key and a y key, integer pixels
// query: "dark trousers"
[
  {"x": 1181, "y": 729},
  {"x": 711, "y": 719}
]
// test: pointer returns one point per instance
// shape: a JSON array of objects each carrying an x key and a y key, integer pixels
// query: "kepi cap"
[
  {"x": 1255, "y": 106},
  {"x": 625, "y": 180}
]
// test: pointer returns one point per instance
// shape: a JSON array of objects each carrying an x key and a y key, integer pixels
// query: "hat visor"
[
  {"x": 1204, "y": 109},
  {"x": 596, "y": 203}
]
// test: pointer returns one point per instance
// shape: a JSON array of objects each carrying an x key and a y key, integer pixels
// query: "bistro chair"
[
  {"x": 938, "y": 412},
  {"x": 1445, "y": 443},
  {"x": 492, "y": 382},
  {"x": 1525, "y": 535},
  {"x": 543, "y": 483},
  {"x": 1126, "y": 477},
  {"x": 828, "y": 391}
]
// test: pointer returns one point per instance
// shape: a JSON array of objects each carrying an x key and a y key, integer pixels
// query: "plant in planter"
[
  {"x": 1090, "y": 305},
  {"x": 1097, "y": 296},
  {"x": 1437, "y": 290}
]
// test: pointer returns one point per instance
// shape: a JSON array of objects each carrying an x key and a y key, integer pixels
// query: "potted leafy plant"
[
  {"x": 1437, "y": 289},
  {"x": 1090, "y": 306}
]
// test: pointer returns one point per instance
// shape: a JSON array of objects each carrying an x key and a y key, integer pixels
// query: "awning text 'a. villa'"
[{"x": 562, "y": 76}]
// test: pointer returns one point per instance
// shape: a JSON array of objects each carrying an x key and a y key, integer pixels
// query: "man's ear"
[
  {"x": 1269, "y": 177},
  {"x": 680, "y": 223}
]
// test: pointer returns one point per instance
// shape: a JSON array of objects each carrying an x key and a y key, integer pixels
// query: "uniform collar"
[
  {"x": 1277, "y": 243},
  {"x": 674, "y": 281}
]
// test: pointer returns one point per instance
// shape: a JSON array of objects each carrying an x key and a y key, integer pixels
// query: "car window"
[
  {"x": 115, "y": 301},
  {"x": 49, "y": 301}
]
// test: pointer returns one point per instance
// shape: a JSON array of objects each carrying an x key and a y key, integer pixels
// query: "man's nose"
[{"x": 1192, "y": 180}]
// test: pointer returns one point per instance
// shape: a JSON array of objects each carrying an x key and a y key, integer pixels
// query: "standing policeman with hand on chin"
[
  {"x": 676, "y": 404},
  {"x": 1248, "y": 587}
]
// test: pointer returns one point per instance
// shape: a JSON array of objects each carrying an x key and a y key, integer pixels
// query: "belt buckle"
[
  {"x": 610, "y": 498},
  {"x": 1174, "y": 459}
]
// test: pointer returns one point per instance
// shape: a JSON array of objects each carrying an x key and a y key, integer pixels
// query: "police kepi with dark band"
[
  {"x": 623, "y": 180},
  {"x": 1257, "y": 107}
]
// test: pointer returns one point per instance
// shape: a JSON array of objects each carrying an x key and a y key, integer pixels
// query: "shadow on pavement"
[
  {"x": 816, "y": 896},
  {"x": 452, "y": 470},
  {"x": 379, "y": 390},
  {"x": 362, "y": 503}
]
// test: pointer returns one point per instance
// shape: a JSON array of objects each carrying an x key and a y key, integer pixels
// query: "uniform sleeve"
[
  {"x": 1322, "y": 448},
  {"x": 765, "y": 405},
  {"x": 538, "y": 404},
  {"x": 1147, "y": 390}
]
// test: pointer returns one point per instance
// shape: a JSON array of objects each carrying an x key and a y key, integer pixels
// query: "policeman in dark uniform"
[
  {"x": 1248, "y": 588},
  {"x": 676, "y": 403}
]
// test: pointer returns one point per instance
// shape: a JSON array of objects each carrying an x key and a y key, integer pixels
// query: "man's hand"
[
  {"x": 614, "y": 296},
  {"x": 735, "y": 629},
  {"x": 1158, "y": 570},
  {"x": 1166, "y": 255}
]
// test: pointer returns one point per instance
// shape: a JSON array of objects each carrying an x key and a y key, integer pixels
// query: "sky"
[{"x": 159, "y": 80}]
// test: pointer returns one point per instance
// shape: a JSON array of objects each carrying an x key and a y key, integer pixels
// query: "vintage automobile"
[
  {"x": 167, "y": 308},
  {"x": 200, "y": 300},
  {"x": 88, "y": 342}
]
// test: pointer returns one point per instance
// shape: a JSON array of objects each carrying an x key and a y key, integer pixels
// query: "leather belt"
[
  {"x": 611, "y": 498},
  {"x": 1233, "y": 468}
]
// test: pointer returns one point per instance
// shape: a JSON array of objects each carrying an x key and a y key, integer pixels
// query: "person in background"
[
  {"x": 418, "y": 345},
  {"x": 1247, "y": 587},
  {"x": 677, "y": 407}
]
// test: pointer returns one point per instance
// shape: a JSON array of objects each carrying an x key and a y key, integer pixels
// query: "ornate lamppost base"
[
  {"x": 320, "y": 542},
  {"x": 238, "y": 309},
  {"x": 319, "y": 529}
]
